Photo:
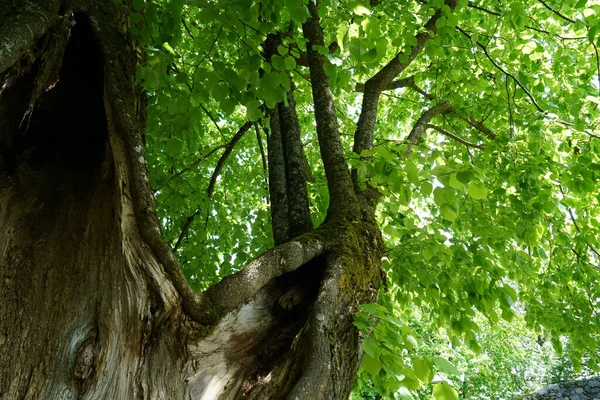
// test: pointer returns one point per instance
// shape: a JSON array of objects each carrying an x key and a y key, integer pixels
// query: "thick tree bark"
[{"x": 92, "y": 303}]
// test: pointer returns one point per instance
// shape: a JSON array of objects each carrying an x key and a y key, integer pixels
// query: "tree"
[{"x": 473, "y": 149}]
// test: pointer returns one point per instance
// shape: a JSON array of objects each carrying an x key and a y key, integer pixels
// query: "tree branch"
[
  {"x": 497, "y": 14},
  {"x": 484, "y": 48},
  {"x": 475, "y": 124},
  {"x": 261, "y": 148},
  {"x": 278, "y": 192},
  {"x": 125, "y": 130},
  {"x": 397, "y": 84},
  {"x": 263, "y": 158},
  {"x": 556, "y": 12},
  {"x": 189, "y": 167},
  {"x": 572, "y": 217},
  {"x": 363, "y": 136},
  {"x": 422, "y": 123},
  {"x": 211, "y": 118},
  {"x": 303, "y": 59},
  {"x": 213, "y": 179},
  {"x": 343, "y": 198},
  {"x": 453, "y": 136},
  {"x": 221, "y": 163},
  {"x": 234, "y": 290},
  {"x": 290, "y": 210},
  {"x": 299, "y": 217},
  {"x": 475, "y": 6}
]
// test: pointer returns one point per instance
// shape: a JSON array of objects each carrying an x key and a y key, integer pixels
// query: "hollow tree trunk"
[{"x": 92, "y": 305}]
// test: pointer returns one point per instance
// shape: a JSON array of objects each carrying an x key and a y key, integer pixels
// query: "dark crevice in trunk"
[
  {"x": 279, "y": 354},
  {"x": 67, "y": 126}
]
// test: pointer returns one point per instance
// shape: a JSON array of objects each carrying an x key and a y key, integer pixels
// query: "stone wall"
[{"x": 586, "y": 389}]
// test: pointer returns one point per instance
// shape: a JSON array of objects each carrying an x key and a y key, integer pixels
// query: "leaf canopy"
[{"x": 496, "y": 209}]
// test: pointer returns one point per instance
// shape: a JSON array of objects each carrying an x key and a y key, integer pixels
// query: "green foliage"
[
  {"x": 499, "y": 226},
  {"x": 513, "y": 361}
]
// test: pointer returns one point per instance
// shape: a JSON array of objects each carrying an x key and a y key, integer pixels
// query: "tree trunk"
[{"x": 92, "y": 304}]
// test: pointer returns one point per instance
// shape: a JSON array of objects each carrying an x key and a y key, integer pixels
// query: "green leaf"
[
  {"x": 423, "y": 369},
  {"x": 426, "y": 188},
  {"x": 454, "y": 182},
  {"x": 278, "y": 63},
  {"x": 290, "y": 63},
  {"x": 361, "y": 10},
  {"x": 371, "y": 347},
  {"x": 340, "y": 32},
  {"x": 253, "y": 111},
  {"x": 371, "y": 365},
  {"x": 412, "y": 173},
  {"x": 168, "y": 47},
  {"x": 443, "y": 391},
  {"x": 477, "y": 190},
  {"x": 445, "y": 366},
  {"x": 173, "y": 147},
  {"x": 448, "y": 212}
]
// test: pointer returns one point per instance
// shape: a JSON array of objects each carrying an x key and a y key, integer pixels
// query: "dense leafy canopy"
[{"x": 486, "y": 154}]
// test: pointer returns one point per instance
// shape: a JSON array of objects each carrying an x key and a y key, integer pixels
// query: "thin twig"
[
  {"x": 213, "y": 179},
  {"x": 597, "y": 65},
  {"x": 514, "y": 78},
  {"x": 510, "y": 111},
  {"x": 209, "y": 49},
  {"x": 572, "y": 217},
  {"x": 186, "y": 27},
  {"x": 557, "y": 12},
  {"x": 453, "y": 136},
  {"x": 261, "y": 147},
  {"x": 189, "y": 167},
  {"x": 211, "y": 118}
]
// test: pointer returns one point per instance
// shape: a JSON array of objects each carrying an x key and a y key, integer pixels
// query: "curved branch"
[
  {"x": 474, "y": 123},
  {"x": 189, "y": 167},
  {"x": 234, "y": 290},
  {"x": 589, "y": 245},
  {"x": 229, "y": 148},
  {"x": 397, "y": 84},
  {"x": 343, "y": 198},
  {"x": 419, "y": 128},
  {"x": 514, "y": 78},
  {"x": 453, "y": 136},
  {"x": 363, "y": 136},
  {"x": 477, "y": 125},
  {"x": 556, "y": 12},
  {"x": 213, "y": 179}
]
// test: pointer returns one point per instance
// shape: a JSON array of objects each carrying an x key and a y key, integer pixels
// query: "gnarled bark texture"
[{"x": 92, "y": 304}]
